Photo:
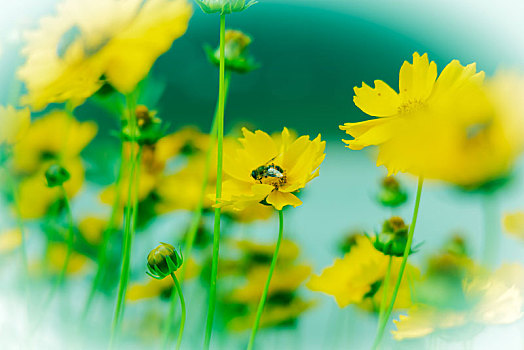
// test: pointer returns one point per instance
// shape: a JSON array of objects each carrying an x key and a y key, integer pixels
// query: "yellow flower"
[
  {"x": 265, "y": 169},
  {"x": 92, "y": 228},
  {"x": 153, "y": 287},
  {"x": 285, "y": 279},
  {"x": 36, "y": 197},
  {"x": 57, "y": 253},
  {"x": 514, "y": 224},
  {"x": 273, "y": 315},
  {"x": 288, "y": 251},
  {"x": 359, "y": 276},
  {"x": 10, "y": 240},
  {"x": 182, "y": 190},
  {"x": 55, "y": 136},
  {"x": 493, "y": 298},
  {"x": 454, "y": 128},
  {"x": 87, "y": 41},
  {"x": 14, "y": 124}
]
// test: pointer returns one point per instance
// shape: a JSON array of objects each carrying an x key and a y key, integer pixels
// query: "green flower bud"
[
  {"x": 163, "y": 260},
  {"x": 224, "y": 6},
  {"x": 393, "y": 238},
  {"x": 149, "y": 127},
  {"x": 391, "y": 193},
  {"x": 56, "y": 175},
  {"x": 236, "y": 56}
]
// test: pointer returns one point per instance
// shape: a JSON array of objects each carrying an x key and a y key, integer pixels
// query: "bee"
[{"x": 268, "y": 171}]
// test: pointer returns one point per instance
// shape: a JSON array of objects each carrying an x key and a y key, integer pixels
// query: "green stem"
[
  {"x": 70, "y": 235},
  {"x": 20, "y": 226},
  {"x": 266, "y": 288},
  {"x": 197, "y": 216},
  {"x": 111, "y": 226},
  {"x": 70, "y": 240},
  {"x": 491, "y": 230},
  {"x": 407, "y": 250},
  {"x": 183, "y": 306},
  {"x": 216, "y": 231},
  {"x": 129, "y": 224},
  {"x": 385, "y": 286}
]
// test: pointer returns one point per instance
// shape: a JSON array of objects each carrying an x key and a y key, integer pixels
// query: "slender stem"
[
  {"x": 385, "y": 319},
  {"x": 385, "y": 286},
  {"x": 266, "y": 288},
  {"x": 21, "y": 228},
  {"x": 112, "y": 224},
  {"x": 70, "y": 235},
  {"x": 183, "y": 306},
  {"x": 491, "y": 235},
  {"x": 197, "y": 215},
  {"x": 129, "y": 224},
  {"x": 216, "y": 231},
  {"x": 70, "y": 240}
]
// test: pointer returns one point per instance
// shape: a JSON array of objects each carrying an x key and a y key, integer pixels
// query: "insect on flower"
[{"x": 270, "y": 172}]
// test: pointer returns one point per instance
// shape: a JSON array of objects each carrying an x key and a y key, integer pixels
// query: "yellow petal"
[
  {"x": 380, "y": 101},
  {"x": 280, "y": 199},
  {"x": 416, "y": 80}
]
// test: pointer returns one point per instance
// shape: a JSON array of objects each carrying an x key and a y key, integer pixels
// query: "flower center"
[
  {"x": 269, "y": 174},
  {"x": 410, "y": 106}
]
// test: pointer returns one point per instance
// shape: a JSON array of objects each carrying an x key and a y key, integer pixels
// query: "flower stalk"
[
  {"x": 407, "y": 250},
  {"x": 216, "y": 231},
  {"x": 262, "y": 302},
  {"x": 197, "y": 215},
  {"x": 111, "y": 226},
  {"x": 130, "y": 220}
]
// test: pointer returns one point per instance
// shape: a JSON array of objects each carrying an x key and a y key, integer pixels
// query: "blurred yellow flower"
[
  {"x": 358, "y": 277},
  {"x": 92, "y": 228},
  {"x": 14, "y": 124},
  {"x": 285, "y": 279},
  {"x": 35, "y": 197},
  {"x": 10, "y": 240},
  {"x": 270, "y": 170},
  {"x": 288, "y": 251},
  {"x": 57, "y": 253},
  {"x": 153, "y": 287},
  {"x": 514, "y": 224},
  {"x": 87, "y": 42},
  {"x": 454, "y": 128},
  {"x": 55, "y": 136},
  {"x": 491, "y": 298},
  {"x": 273, "y": 315}
]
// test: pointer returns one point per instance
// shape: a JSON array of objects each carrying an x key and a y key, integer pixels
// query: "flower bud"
[
  {"x": 235, "y": 52},
  {"x": 56, "y": 175},
  {"x": 224, "y": 6},
  {"x": 391, "y": 193},
  {"x": 393, "y": 238},
  {"x": 149, "y": 127},
  {"x": 163, "y": 260}
]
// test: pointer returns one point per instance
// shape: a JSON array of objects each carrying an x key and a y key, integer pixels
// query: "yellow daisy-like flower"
[
  {"x": 495, "y": 298},
  {"x": 36, "y": 197},
  {"x": 87, "y": 41},
  {"x": 57, "y": 253},
  {"x": 270, "y": 170},
  {"x": 454, "y": 127},
  {"x": 285, "y": 279},
  {"x": 273, "y": 315},
  {"x": 55, "y": 136},
  {"x": 514, "y": 224},
  {"x": 359, "y": 276},
  {"x": 14, "y": 124}
]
